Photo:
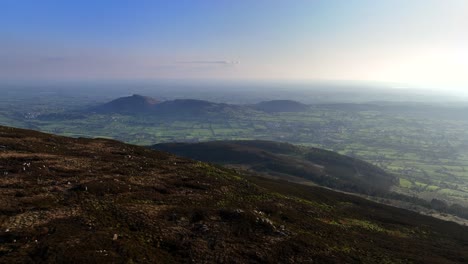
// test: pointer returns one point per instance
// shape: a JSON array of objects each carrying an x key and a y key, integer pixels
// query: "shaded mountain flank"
[
  {"x": 67, "y": 200},
  {"x": 195, "y": 108},
  {"x": 304, "y": 165},
  {"x": 283, "y": 160}
]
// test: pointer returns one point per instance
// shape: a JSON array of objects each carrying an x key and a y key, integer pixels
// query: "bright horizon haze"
[{"x": 420, "y": 43}]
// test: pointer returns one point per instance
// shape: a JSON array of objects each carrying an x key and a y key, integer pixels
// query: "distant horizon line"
[
  {"x": 233, "y": 80},
  {"x": 367, "y": 83}
]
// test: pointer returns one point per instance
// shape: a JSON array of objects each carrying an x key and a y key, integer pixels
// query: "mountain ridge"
[
  {"x": 138, "y": 104},
  {"x": 323, "y": 167}
]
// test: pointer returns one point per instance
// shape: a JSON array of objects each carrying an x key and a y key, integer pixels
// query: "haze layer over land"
[{"x": 419, "y": 43}]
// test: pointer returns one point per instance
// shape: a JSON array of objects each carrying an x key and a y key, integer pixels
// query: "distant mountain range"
[{"x": 138, "y": 104}]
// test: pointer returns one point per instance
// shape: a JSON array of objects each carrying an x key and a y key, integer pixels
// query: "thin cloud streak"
[{"x": 219, "y": 62}]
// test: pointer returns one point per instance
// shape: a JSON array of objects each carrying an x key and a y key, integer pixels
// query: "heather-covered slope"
[{"x": 65, "y": 200}]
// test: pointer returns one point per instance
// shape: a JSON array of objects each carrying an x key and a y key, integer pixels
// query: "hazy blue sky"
[{"x": 422, "y": 42}]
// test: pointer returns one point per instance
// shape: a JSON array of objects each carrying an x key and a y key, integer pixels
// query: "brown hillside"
[{"x": 65, "y": 200}]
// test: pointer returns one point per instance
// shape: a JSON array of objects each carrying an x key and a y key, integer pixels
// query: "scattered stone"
[
  {"x": 239, "y": 211},
  {"x": 281, "y": 233},
  {"x": 204, "y": 228},
  {"x": 266, "y": 222},
  {"x": 258, "y": 212}
]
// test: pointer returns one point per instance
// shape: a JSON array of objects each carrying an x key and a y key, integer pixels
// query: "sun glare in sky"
[{"x": 415, "y": 42}]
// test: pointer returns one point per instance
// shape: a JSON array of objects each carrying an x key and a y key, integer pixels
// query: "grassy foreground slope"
[{"x": 102, "y": 201}]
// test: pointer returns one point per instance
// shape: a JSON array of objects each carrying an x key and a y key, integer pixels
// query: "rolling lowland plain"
[{"x": 425, "y": 145}]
